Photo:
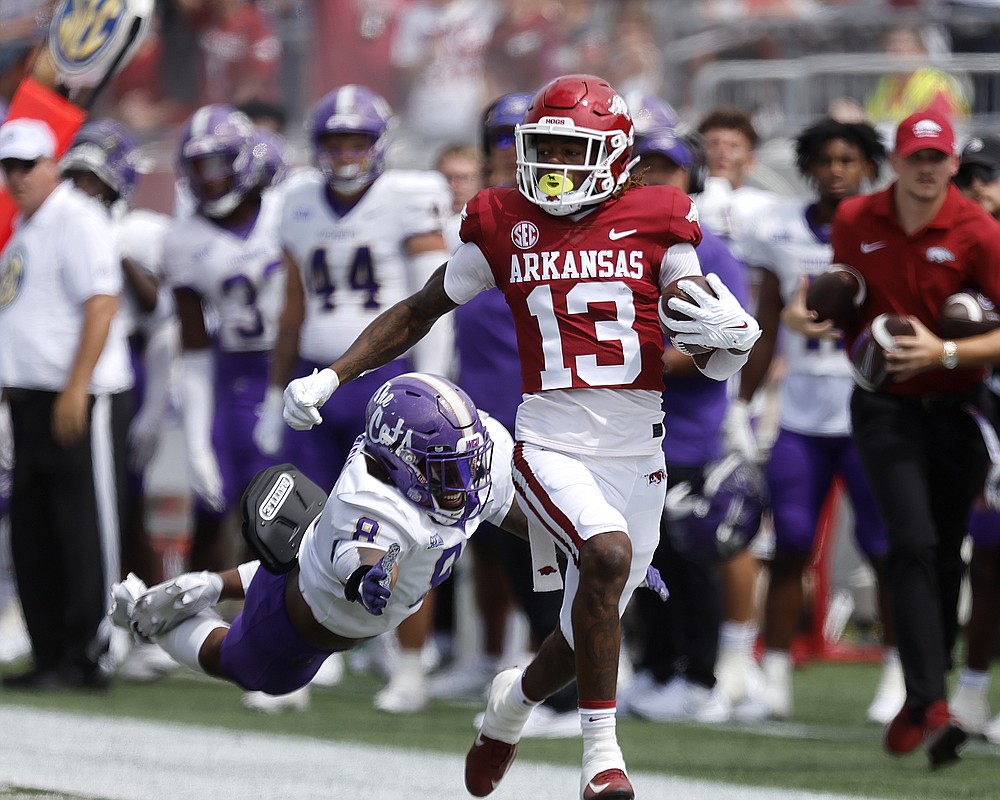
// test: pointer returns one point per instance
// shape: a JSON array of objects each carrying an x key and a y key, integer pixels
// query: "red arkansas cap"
[{"x": 925, "y": 130}]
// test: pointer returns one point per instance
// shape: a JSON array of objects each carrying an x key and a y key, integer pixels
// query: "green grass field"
[{"x": 827, "y": 748}]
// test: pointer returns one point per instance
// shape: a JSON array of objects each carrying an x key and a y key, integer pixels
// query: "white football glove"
[
  {"x": 304, "y": 396},
  {"x": 206, "y": 479},
  {"x": 163, "y": 607},
  {"x": 144, "y": 437},
  {"x": 717, "y": 322},
  {"x": 124, "y": 596},
  {"x": 738, "y": 435},
  {"x": 269, "y": 432}
]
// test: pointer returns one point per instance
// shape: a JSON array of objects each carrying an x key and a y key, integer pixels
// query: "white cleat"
[
  {"x": 297, "y": 700},
  {"x": 146, "y": 663},
  {"x": 777, "y": 693},
  {"x": 466, "y": 679},
  {"x": 970, "y": 708},
  {"x": 889, "y": 696},
  {"x": 405, "y": 694},
  {"x": 992, "y": 731}
]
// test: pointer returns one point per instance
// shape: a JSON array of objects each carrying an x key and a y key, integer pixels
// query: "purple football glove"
[
  {"x": 654, "y": 581},
  {"x": 374, "y": 591}
]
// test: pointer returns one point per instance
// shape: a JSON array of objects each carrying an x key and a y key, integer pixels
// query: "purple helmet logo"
[
  {"x": 269, "y": 147},
  {"x": 430, "y": 438},
  {"x": 217, "y": 147},
  {"x": 107, "y": 149},
  {"x": 351, "y": 109}
]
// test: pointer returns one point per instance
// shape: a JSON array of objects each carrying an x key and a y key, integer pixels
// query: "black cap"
[{"x": 982, "y": 151}]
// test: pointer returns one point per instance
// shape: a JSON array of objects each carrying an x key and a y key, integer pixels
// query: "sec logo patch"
[
  {"x": 524, "y": 234},
  {"x": 11, "y": 276}
]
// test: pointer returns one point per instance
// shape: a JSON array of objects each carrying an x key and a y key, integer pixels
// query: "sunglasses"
[
  {"x": 967, "y": 173},
  {"x": 12, "y": 165}
]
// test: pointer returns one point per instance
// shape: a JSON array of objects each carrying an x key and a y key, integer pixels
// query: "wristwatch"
[{"x": 949, "y": 357}]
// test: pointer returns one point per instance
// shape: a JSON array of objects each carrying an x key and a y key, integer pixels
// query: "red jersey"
[
  {"x": 584, "y": 292},
  {"x": 959, "y": 249}
]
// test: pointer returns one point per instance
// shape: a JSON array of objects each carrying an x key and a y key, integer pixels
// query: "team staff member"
[
  {"x": 915, "y": 243},
  {"x": 59, "y": 274}
]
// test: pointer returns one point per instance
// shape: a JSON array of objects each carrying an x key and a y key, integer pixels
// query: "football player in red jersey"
[{"x": 581, "y": 253}]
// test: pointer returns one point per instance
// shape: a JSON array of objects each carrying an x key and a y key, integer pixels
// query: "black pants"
[
  {"x": 681, "y": 636},
  {"x": 55, "y": 537},
  {"x": 926, "y": 462}
]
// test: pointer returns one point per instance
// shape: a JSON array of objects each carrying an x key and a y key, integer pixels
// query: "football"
[
  {"x": 868, "y": 364},
  {"x": 667, "y": 314},
  {"x": 966, "y": 314},
  {"x": 837, "y": 295}
]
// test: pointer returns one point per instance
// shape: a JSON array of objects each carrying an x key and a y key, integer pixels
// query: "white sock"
[
  {"x": 185, "y": 641},
  {"x": 409, "y": 662},
  {"x": 776, "y": 662},
  {"x": 600, "y": 740},
  {"x": 738, "y": 637},
  {"x": 974, "y": 679}
]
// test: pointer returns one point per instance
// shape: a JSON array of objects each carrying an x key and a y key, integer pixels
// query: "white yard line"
[{"x": 116, "y": 758}]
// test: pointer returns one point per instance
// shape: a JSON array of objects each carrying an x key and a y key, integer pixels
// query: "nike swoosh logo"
[
  {"x": 597, "y": 788},
  {"x": 614, "y": 235},
  {"x": 871, "y": 247},
  {"x": 739, "y": 327}
]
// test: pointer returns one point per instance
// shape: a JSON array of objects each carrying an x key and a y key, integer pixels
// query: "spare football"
[
  {"x": 968, "y": 313},
  {"x": 868, "y": 363},
  {"x": 837, "y": 295},
  {"x": 667, "y": 314}
]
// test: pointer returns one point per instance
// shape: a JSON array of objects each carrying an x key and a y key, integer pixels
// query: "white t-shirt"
[
  {"x": 362, "y": 506},
  {"x": 54, "y": 262}
]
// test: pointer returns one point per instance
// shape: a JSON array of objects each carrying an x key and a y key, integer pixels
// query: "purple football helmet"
[
  {"x": 499, "y": 119},
  {"x": 725, "y": 516},
  {"x": 351, "y": 109},
  {"x": 107, "y": 149},
  {"x": 217, "y": 158},
  {"x": 650, "y": 113},
  {"x": 270, "y": 148},
  {"x": 430, "y": 438}
]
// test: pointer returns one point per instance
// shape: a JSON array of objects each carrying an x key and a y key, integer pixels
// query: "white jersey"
[
  {"x": 54, "y": 262},
  {"x": 139, "y": 235},
  {"x": 732, "y": 213},
  {"x": 242, "y": 280},
  {"x": 815, "y": 393},
  {"x": 364, "y": 508},
  {"x": 354, "y": 265}
]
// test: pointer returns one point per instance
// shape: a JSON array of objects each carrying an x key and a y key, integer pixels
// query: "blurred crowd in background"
[{"x": 440, "y": 62}]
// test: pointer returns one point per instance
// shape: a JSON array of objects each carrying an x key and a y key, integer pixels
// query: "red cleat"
[
  {"x": 940, "y": 735},
  {"x": 487, "y": 762},
  {"x": 612, "y": 784},
  {"x": 902, "y": 735}
]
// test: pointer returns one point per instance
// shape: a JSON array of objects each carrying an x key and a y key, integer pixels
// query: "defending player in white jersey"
[
  {"x": 224, "y": 263},
  {"x": 790, "y": 242},
  {"x": 427, "y": 471},
  {"x": 356, "y": 239}
]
